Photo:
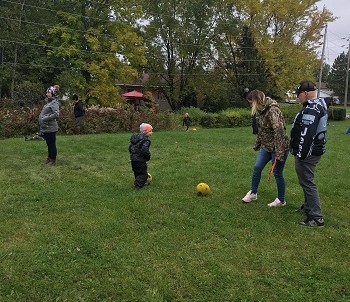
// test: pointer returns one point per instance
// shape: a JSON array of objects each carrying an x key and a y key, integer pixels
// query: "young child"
[
  {"x": 186, "y": 121},
  {"x": 140, "y": 154}
]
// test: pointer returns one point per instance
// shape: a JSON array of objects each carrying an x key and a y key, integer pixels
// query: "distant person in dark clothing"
[
  {"x": 186, "y": 121},
  {"x": 140, "y": 154},
  {"x": 79, "y": 113},
  {"x": 254, "y": 122}
]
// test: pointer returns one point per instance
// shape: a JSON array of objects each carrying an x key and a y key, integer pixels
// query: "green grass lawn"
[{"x": 78, "y": 231}]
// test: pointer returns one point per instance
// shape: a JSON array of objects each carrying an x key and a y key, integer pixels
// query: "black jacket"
[
  {"x": 186, "y": 121},
  {"x": 308, "y": 133},
  {"x": 139, "y": 147},
  {"x": 79, "y": 109}
]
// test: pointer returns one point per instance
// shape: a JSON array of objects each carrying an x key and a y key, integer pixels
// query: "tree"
[
  {"x": 337, "y": 76},
  {"x": 286, "y": 34},
  {"x": 178, "y": 35},
  {"x": 22, "y": 26},
  {"x": 326, "y": 68},
  {"x": 93, "y": 43},
  {"x": 87, "y": 45}
]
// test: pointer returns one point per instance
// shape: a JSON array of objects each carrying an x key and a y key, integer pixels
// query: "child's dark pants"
[{"x": 140, "y": 172}]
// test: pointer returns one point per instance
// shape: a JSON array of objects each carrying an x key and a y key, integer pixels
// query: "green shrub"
[
  {"x": 24, "y": 121},
  {"x": 215, "y": 120},
  {"x": 196, "y": 114},
  {"x": 208, "y": 120},
  {"x": 239, "y": 117},
  {"x": 290, "y": 111},
  {"x": 336, "y": 113},
  {"x": 16, "y": 121}
]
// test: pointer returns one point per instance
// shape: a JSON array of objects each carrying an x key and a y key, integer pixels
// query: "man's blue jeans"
[{"x": 262, "y": 160}]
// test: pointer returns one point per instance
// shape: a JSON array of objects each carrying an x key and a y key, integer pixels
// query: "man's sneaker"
[
  {"x": 300, "y": 210},
  {"x": 249, "y": 197},
  {"x": 276, "y": 203},
  {"x": 317, "y": 222}
]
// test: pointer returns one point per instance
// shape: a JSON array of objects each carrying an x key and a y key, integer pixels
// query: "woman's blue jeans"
[
  {"x": 262, "y": 160},
  {"x": 50, "y": 138}
]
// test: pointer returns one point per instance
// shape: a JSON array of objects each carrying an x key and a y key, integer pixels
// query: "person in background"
[
  {"x": 48, "y": 123},
  {"x": 254, "y": 124},
  {"x": 79, "y": 113},
  {"x": 140, "y": 154},
  {"x": 307, "y": 144},
  {"x": 255, "y": 127},
  {"x": 272, "y": 143},
  {"x": 186, "y": 121}
]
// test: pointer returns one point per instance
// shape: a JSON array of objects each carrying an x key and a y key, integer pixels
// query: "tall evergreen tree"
[
  {"x": 337, "y": 76},
  {"x": 251, "y": 66}
]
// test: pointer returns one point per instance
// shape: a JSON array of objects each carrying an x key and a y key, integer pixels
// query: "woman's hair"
[{"x": 257, "y": 99}]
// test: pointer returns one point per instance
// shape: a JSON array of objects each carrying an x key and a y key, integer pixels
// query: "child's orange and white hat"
[{"x": 145, "y": 128}]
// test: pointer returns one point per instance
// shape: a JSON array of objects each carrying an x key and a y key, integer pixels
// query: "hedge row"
[{"x": 23, "y": 121}]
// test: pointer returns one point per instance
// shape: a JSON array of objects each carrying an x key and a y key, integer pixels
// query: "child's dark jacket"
[
  {"x": 139, "y": 147},
  {"x": 186, "y": 121}
]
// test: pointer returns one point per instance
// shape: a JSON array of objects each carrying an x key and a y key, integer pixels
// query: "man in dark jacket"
[
  {"x": 140, "y": 154},
  {"x": 79, "y": 113},
  {"x": 307, "y": 144}
]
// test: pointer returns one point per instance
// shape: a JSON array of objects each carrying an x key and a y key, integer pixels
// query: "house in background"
[
  {"x": 328, "y": 95},
  {"x": 140, "y": 86},
  {"x": 325, "y": 93}
]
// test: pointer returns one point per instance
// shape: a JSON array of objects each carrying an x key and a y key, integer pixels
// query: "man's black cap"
[{"x": 305, "y": 86}]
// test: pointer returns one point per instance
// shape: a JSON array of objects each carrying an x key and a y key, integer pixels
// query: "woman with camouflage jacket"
[{"x": 272, "y": 143}]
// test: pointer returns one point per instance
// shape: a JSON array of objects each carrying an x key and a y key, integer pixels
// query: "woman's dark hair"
[{"x": 75, "y": 97}]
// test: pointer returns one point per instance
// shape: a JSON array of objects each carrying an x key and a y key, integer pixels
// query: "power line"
[
  {"x": 89, "y": 17},
  {"x": 208, "y": 58},
  {"x": 33, "y": 65},
  {"x": 57, "y": 11},
  {"x": 56, "y": 47}
]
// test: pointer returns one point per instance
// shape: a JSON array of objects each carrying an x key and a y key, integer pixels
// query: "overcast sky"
[{"x": 338, "y": 29}]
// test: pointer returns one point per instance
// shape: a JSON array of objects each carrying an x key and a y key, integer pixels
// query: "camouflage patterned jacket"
[{"x": 272, "y": 135}]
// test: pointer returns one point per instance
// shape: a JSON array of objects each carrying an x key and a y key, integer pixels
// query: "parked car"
[
  {"x": 330, "y": 101},
  {"x": 292, "y": 101}
]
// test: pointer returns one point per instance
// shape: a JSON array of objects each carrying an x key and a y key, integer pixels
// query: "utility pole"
[
  {"x": 347, "y": 77},
  {"x": 322, "y": 59}
]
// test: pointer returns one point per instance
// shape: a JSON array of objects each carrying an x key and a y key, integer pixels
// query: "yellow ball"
[
  {"x": 202, "y": 189},
  {"x": 149, "y": 177}
]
